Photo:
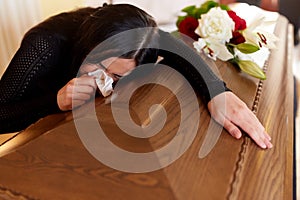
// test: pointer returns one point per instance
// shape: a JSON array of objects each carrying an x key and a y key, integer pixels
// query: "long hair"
[{"x": 108, "y": 23}]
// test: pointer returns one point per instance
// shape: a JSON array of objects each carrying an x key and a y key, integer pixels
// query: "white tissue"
[{"x": 103, "y": 81}]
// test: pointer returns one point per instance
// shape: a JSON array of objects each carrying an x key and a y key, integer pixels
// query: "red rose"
[
  {"x": 240, "y": 24},
  {"x": 237, "y": 38},
  {"x": 188, "y": 27}
]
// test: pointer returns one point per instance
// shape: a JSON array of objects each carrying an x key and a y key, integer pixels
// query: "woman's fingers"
[
  {"x": 232, "y": 129},
  {"x": 257, "y": 134},
  {"x": 76, "y": 92},
  {"x": 260, "y": 137},
  {"x": 228, "y": 110},
  {"x": 248, "y": 122},
  {"x": 82, "y": 91},
  {"x": 267, "y": 136}
]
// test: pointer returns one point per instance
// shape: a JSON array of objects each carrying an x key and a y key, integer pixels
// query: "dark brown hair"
[{"x": 105, "y": 27}]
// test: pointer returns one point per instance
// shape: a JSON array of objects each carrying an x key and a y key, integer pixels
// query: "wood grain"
[
  {"x": 49, "y": 161},
  {"x": 272, "y": 169}
]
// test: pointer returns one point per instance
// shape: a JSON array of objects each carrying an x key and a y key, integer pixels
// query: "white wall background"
[
  {"x": 164, "y": 11},
  {"x": 15, "y": 19}
]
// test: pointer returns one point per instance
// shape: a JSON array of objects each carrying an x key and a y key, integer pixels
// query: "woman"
[{"x": 40, "y": 78}]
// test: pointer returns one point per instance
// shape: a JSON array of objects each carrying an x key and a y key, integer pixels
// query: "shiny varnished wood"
[
  {"x": 268, "y": 175},
  {"x": 49, "y": 160}
]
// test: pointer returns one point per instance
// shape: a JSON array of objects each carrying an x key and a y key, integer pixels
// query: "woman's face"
[{"x": 114, "y": 67}]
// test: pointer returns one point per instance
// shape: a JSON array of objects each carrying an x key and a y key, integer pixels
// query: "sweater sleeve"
[
  {"x": 184, "y": 59},
  {"x": 16, "y": 116},
  {"x": 29, "y": 86}
]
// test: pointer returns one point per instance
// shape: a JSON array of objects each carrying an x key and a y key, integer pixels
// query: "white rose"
[{"x": 216, "y": 24}]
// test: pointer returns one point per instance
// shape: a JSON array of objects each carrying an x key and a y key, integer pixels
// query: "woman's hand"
[
  {"x": 76, "y": 92},
  {"x": 228, "y": 110}
]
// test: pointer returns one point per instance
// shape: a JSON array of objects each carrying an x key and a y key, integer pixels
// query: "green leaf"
[
  {"x": 208, "y": 5},
  {"x": 224, "y": 7},
  {"x": 175, "y": 33},
  {"x": 190, "y": 10},
  {"x": 204, "y": 8},
  {"x": 179, "y": 20},
  {"x": 247, "y": 48},
  {"x": 230, "y": 48},
  {"x": 251, "y": 68},
  {"x": 199, "y": 12}
]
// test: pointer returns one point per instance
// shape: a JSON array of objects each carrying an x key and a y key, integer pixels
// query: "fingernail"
[
  {"x": 269, "y": 138},
  {"x": 237, "y": 134},
  {"x": 270, "y": 145}
]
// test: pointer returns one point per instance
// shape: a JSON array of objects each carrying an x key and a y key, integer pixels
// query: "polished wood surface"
[{"x": 49, "y": 161}]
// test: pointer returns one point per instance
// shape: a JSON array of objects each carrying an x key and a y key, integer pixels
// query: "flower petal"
[{"x": 221, "y": 51}]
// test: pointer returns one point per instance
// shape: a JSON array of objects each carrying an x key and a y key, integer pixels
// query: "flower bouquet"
[{"x": 220, "y": 33}]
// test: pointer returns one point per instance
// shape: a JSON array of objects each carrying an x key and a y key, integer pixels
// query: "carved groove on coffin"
[
  {"x": 232, "y": 194},
  {"x": 259, "y": 91},
  {"x": 233, "y": 188}
]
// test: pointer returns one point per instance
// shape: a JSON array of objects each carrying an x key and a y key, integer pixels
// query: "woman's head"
[{"x": 119, "y": 30}]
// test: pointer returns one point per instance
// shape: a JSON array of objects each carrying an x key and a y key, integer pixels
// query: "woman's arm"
[
  {"x": 181, "y": 57},
  {"x": 224, "y": 106},
  {"x": 29, "y": 86},
  {"x": 16, "y": 116},
  {"x": 36, "y": 84}
]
